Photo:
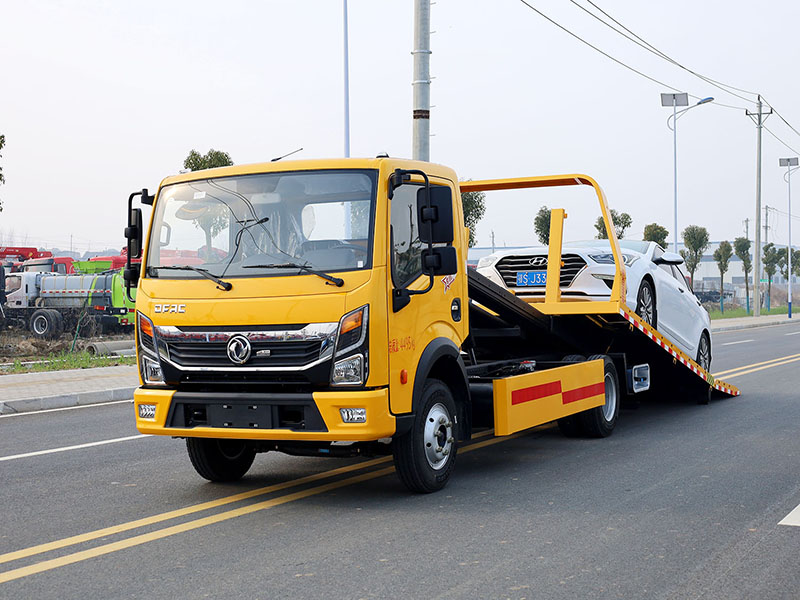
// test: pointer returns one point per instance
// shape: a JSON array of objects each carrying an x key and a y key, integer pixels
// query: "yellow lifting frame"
[{"x": 553, "y": 304}]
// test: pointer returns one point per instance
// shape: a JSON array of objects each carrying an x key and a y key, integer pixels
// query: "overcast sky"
[{"x": 99, "y": 99}]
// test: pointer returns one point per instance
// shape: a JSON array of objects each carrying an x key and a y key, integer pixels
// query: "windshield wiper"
[
  {"x": 338, "y": 282},
  {"x": 221, "y": 283}
]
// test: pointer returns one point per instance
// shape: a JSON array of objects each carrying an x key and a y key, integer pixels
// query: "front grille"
[
  {"x": 509, "y": 266},
  {"x": 214, "y": 354}
]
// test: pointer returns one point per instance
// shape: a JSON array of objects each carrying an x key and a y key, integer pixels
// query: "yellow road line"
[
  {"x": 144, "y": 538},
  {"x": 721, "y": 373},
  {"x": 181, "y": 512},
  {"x": 778, "y": 364}
]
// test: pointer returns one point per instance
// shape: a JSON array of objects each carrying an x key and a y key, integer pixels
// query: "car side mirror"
[
  {"x": 439, "y": 215},
  {"x": 669, "y": 258},
  {"x": 133, "y": 233},
  {"x": 440, "y": 261}
]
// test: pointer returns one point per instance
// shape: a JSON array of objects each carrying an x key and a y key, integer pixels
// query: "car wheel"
[
  {"x": 704, "y": 352},
  {"x": 646, "y": 304},
  {"x": 220, "y": 460},
  {"x": 424, "y": 457}
]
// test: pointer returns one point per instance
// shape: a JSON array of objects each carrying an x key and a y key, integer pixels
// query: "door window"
[{"x": 406, "y": 245}]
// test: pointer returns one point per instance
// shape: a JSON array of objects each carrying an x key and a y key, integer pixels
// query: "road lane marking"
[
  {"x": 49, "y": 410},
  {"x": 721, "y": 373},
  {"x": 80, "y": 556},
  {"x": 747, "y": 372},
  {"x": 76, "y": 447},
  {"x": 734, "y": 343},
  {"x": 793, "y": 518},
  {"x": 188, "y": 510},
  {"x": 793, "y": 333}
]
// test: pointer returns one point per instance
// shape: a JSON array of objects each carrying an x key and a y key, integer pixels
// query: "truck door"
[{"x": 435, "y": 314}]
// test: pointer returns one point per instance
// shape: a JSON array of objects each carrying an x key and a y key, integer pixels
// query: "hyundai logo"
[
  {"x": 239, "y": 349},
  {"x": 538, "y": 261}
]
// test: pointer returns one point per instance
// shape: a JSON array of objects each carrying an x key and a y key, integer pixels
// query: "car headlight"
[
  {"x": 149, "y": 365},
  {"x": 352, "y": 339},
  {"x": 487, "y": 261},
  {"x": 607, "y": 258}
]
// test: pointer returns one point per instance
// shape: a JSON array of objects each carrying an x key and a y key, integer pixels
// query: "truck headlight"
[
  {"x": 151, "y": 370},
  {"x": 149, "y": 366},
  {"x": 349, "y": 371}
]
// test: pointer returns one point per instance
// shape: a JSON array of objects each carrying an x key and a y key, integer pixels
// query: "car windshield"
[
  {"x": 636, "y": 246},
  {"x": 240, "y": 226}
]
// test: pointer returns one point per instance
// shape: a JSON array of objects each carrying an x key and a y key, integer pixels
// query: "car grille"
[
  {"x": 509, "y": 266},
  {"x": 214, "y": 354}
]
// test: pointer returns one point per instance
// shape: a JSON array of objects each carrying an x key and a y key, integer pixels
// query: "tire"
[
  {"x": 599, "y": 422},
  {"x": 646, "y": 304},
  {"x": 425, "y": 456},
  {"x": 704, "y": 351},
  {"x": 570, "y": 426},
  {"x": 59, "y": 321},
  {"x": 44, "y": 324},
  {"x": 220, "y": 460}
]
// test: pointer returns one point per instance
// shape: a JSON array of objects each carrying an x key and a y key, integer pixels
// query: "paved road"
[{"x": 683, "y": 501}]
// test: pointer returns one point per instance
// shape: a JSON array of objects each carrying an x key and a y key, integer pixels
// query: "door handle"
[{"x": 680, "y": 290}]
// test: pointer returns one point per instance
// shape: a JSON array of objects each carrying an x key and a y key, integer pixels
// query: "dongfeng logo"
[
  {"x": 239, "y": 349},
  {"x": 538, "y": 261}
]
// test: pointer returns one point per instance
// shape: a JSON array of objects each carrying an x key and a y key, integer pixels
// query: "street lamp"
[
  {"x": 676, "y": 100},
  {"x": 789, "y": 163}
]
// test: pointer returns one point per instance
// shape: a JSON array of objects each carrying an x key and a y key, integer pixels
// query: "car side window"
[
  {"x": 658, "y": 253},
  {"x": 681, "y": 276},
  {"x": 406, "y": 245}
]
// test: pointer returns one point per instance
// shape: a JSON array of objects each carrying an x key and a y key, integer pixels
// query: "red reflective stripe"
[
  {"x": 582, "y": 393},
  {"x": 535, "y": 392}
]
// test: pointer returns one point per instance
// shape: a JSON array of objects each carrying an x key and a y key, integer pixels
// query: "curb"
[
  {"x": 26, "y": 405},
  {"x": 753, "y": 325}
]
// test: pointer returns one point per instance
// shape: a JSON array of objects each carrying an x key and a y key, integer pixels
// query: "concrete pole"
[
  {"x": 346, "y": 88},
  {"x": 422, "y": 80},
  {"x": 757, "y": 252},
  {"x": 789, "y": 246}
]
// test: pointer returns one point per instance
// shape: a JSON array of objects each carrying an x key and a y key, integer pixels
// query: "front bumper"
[{"x": 264, "y": 416}]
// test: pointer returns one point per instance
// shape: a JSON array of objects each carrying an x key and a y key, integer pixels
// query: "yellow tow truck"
[{"x": 325, "y": 308}]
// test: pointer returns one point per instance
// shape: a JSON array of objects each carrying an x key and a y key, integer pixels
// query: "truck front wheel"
[
  {"x": 220, "y": 460},
  {"x": 44, "y": 323},
  {"x": 425, "y": 456}
]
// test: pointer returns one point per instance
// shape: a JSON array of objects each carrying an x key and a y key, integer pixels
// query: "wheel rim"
[
  {"x": 39, "y": 325},
  {"x": 610, "y": 407},
  {"x": 703, "y": 358},
  {"x": 438, "y": 436},
  {"x": 646, "y": 305}
]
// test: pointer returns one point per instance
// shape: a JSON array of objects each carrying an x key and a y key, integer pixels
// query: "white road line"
[
  {"x": 49, "y": 410},
  {"x": 793, "y": 518},
  {"x": 793, "y": 333},
  {"x": 739, "y": 342},
  {"x": 77, "y": 447}
]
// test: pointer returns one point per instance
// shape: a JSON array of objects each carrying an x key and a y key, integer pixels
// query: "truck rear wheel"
[
  {"x": 220, "y": 460},
  {"x": 425, "y": 456},
  {"x": 44, "y": 323},
  {"x": 600, "y": 421}
]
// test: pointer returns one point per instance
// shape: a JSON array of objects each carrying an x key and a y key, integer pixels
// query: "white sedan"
[{"x": 657, "y": 285}]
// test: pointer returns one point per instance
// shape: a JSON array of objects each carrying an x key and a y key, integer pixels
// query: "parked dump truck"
[
  {"x": 48, "y": 304},
  {"x": 329, "y": 311}
]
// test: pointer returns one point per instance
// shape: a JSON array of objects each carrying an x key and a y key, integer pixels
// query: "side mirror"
[
  {"x": 669, "y": 258},
  {"x": 439, "y": 215},
  {"x": 440, "y": 261},
  {"x": 133, "y": 232},
  {"x": 131, "y": 275}
]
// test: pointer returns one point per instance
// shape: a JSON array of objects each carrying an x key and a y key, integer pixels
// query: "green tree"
[
  {"x": 215, "y": 218},
  {"x": 656, "y": 233},
  {"x": 741, "y": 247},
  {"x": 474, "y": 207},
  {"x": 210, "y": 160},
  {"x": 541, "y": 225},
  {"x": 771, "y": 259},
  {"x": 2, "y": 177},
  {"x": 723, "y": 256},
  {"x": 695, "y": 238},
  {"x": 621, "y": 222}
]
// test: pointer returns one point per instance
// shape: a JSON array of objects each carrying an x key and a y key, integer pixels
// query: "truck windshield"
[{"x": 253, "y": 225}]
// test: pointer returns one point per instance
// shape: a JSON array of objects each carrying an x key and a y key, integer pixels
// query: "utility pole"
[
  {"x": 759, "y": 119},
  {"x": 492, "y": 241},
  {"x": 747, "y": 228},
  {"x": 422, "y": 80},
  {"x": 766, "y": 225},
  {"x": 346, "y": 88}
]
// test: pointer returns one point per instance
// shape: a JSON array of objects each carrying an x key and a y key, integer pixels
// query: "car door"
[
  {"x": 668, "y": 302},
  {"x": 689, "y": 324}
]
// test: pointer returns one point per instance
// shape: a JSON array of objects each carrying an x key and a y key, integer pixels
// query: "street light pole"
[
  {"x": 789, "y": 163},
  {"x": 346, "y": 88},
  {"x": 676, "y": 100}
]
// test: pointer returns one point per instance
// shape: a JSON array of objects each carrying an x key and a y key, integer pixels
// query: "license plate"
[{"x": 531, "y": 278}]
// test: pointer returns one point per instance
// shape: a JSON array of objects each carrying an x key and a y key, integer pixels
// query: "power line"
[
  {"x": 773, "y": 134},
  {"x": 652, "y": 49}
]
